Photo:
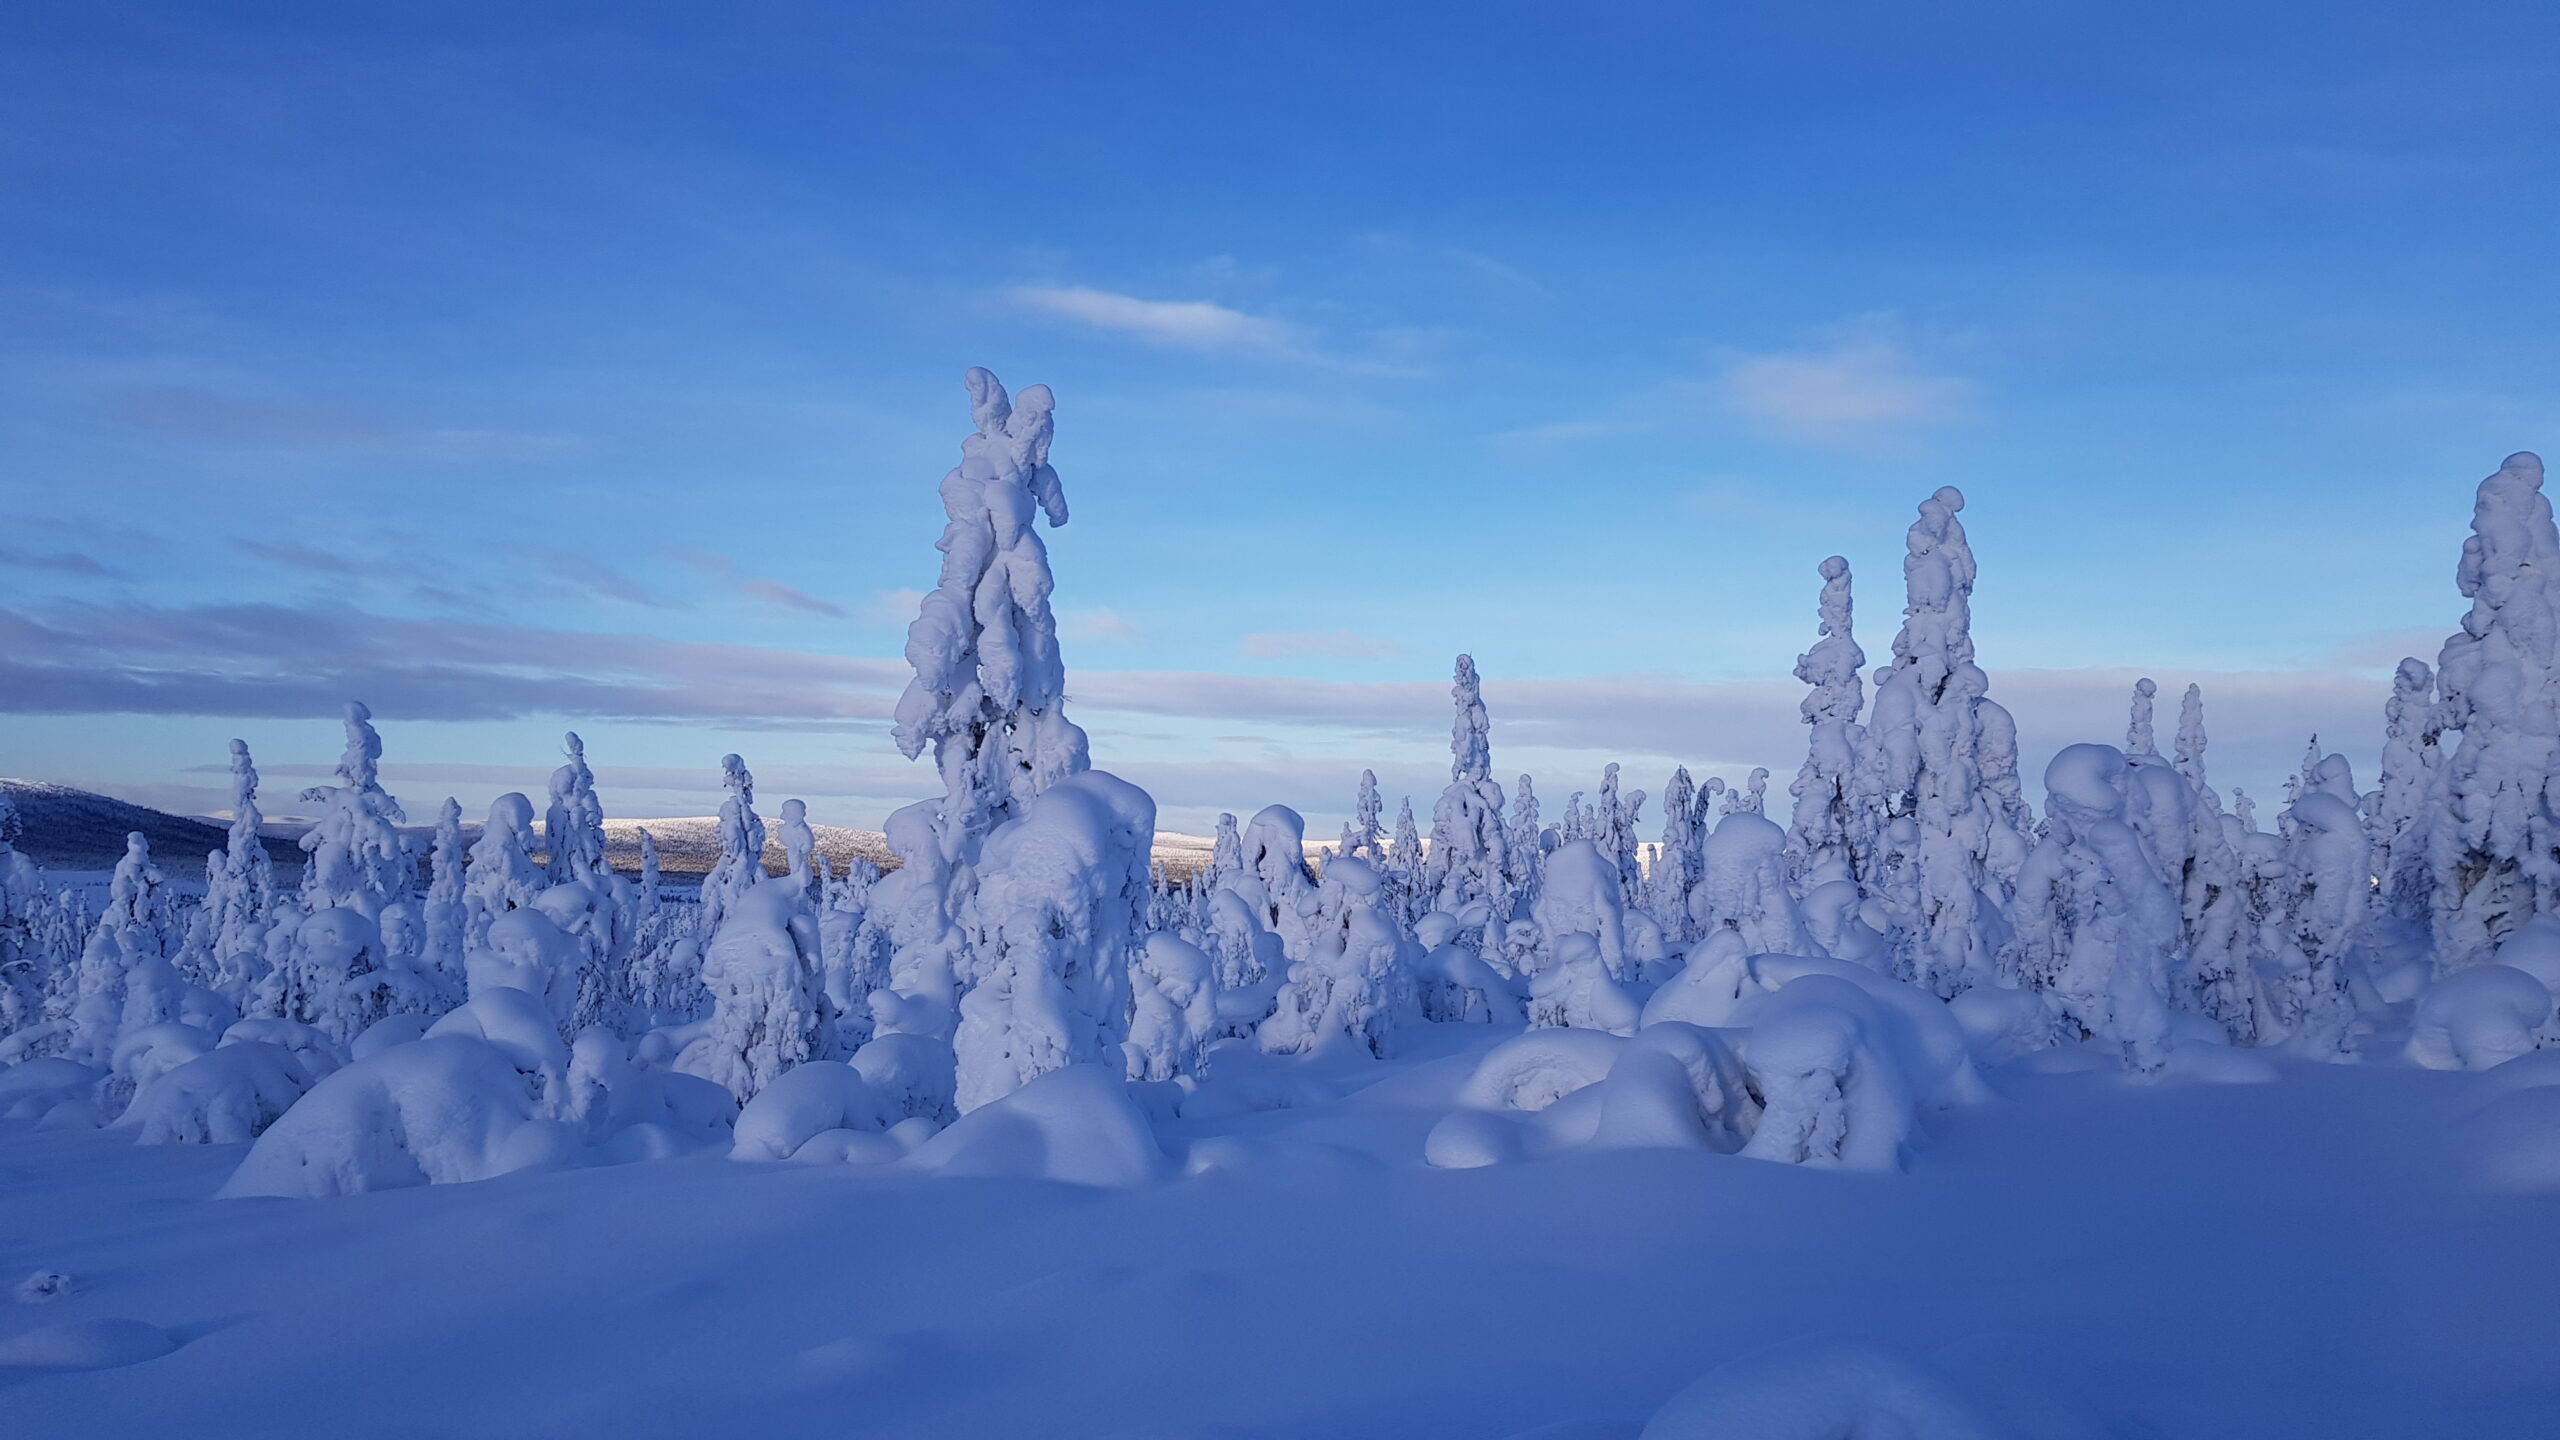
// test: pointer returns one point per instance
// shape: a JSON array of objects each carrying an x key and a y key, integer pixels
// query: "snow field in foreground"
[{"x": 2321, "y": 1255}]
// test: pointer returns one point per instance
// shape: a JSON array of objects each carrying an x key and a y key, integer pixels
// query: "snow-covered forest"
[{"x": 1899, "y": 953}]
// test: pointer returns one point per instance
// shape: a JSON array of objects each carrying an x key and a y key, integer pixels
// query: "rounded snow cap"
[
  {"x": 2524, "y": 462},
  {"x": 1834, "y": 568},
  {"x": 1949, "y": 497}
]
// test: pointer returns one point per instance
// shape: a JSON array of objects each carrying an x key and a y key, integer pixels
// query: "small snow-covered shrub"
[
  {"x": 2476, "y": 1018},
  {"x": 1079, "y": 1124},
  {"x": 436, "y": 1111},
  {"x": 917, "y": 1073},
  {"x": 221, "y": 1097},
  {"x": 820, "y": 1098},
  {"x": 33, "y": 1089}
]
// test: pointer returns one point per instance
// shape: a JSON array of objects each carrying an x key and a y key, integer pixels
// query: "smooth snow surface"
[{"x": 2330, "y": 1254}]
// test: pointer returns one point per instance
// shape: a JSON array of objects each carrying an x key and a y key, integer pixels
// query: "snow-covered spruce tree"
[
  {"x": 741, "y": 861},
  {"x": 26, "y": 966},
  {"x": 1038, "y": 924},
  {"x": 573, "y": 824},
  {"x": 2137, "y": 731},
  {"x": 126, "y": 981},
  {"x": 1829, "y": 838},
  {"x": 1940, "y": 758},
  {"x": 501, "y": 876},
  {"x": 227, "y": 936},
  {"x": 357, "y": 858},
  {"x": 1361, "y": 834},
  {"x": 1615, "y": 834},
  {"x": 2492, "y": 836},
  {"x": 447, "y": 916},
  {"x": 1406, "y": 877},
  {"x": 649, "y": 878},
  {"x": 799, "y": 842},
  {"x": 2396, "y": 813},
  {"x": 2332, "y": 865},
  {"x": 2217, "y": 977},
  {"x": 1467, "y": 863},
  {"x": 2096, "y": 925},
  {"x": 1675, "y": 859}
]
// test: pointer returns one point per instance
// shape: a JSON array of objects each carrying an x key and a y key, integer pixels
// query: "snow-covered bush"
[
  {"x": 821, "y": 1110},
  {"x": 761, "y": 968}
]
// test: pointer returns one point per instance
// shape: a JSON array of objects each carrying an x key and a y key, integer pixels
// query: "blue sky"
[{"x": 521, "y": 367}]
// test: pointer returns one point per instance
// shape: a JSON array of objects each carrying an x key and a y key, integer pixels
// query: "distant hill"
[{"x": 69, "y": 829}]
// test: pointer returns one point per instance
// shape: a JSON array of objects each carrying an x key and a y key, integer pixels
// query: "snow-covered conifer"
[
  {"x": 1826, "y": 841},
  {"x": 1939, "y": 761},
  {"x": 1467, "y": 862},
  {"x": 798, "y": 843},
  {"x": 121, "y": 965},
  {"x": 649, "y": 881},
  {"x": 447, "y": 915},
  {"x": 227, "y": 937},
  {"x": 26, "y": 967},
  {"x": 573, "y": 824},
  {"x": 2396, "y": 813},
  {"x": 2137, "y": 731},
  {"x": 501, "y": 876},
  {"x": 1675, "y": 859},
  {"x": 2333, "y": 867},
  {"x": 2097, "y": 925},
  {"x": 358, "y": 860},
  {"x": 741, "y": 862}
]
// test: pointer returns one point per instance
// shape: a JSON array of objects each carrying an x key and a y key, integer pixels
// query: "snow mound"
[
  {"x": 2476, "y": 1018},
  {"x": 916, "y": 1073},
  {"x": 386, "y": 1032},
  {"x": 319, "y": 1055},
  {"x": 820, "y": 1099},
  {"x": 33, "y": 1089},
  {"x": 436, "y": 1111},
  {"x": 1816, "y": 1391},
  {"x": 223, "y": 1097},
  {"x": 103, "y": 1343},
  {"x": 1834, "y": 1093},
  {"x": 1078, "y": 1124},
  {"x": 1671, "y": 1086}
]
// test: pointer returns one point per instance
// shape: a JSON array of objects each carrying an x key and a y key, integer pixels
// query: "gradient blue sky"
[{"x": 512, "y": 367}]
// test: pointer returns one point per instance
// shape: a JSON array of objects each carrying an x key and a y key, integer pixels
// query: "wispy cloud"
[
  {"x": 893, "y": 607},
  {"x": 200, "y": 416},
  {"x": 595, "y": 577},
  {"x": 1854, "y": 396},
  {"x": 1097, "y": 624},
  {"x": 1173, "y": 324},
  {"x": 789, "y": 597},
  {"x": 1321, "y": 644},
  {"x": 771, "y": 592},
  {"x": 293, "y": 555},
  {"x": 60, "y": 562}
]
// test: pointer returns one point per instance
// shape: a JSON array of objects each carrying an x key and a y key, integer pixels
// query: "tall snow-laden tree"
[
  {"x": 2097, "y": 925},
  {"x": 358, "y": 860},
  {"x": 1361, "y": 835},
  {"x": 227, "y": 937},
  {"x": 26, "y": 965},
  {"x": 741, "y": 862},
  {"x": 2396, "y": 813},
  {"x": 1829, "y": 838},
  {"x": 1467, "y": 862},
  {"x": 649, "y": 881},
  {"x": 1940, "y": 757},
  {"x": 799, "y": 842},
  {"x": 2217, "y": 977},
  {"x": 989, "y": 693},
  {"x": 137, "y": 931},
  {"x": 2492, "y": 832},
  {"x": 573, "y": 824},
  {"x": 501, "y": 876},
  {"x": 2137, "y": 731},
  {"x": 2332, "y": 865},
  {"x": 1675, "y": 859},
  {"x": 447, "y": 915}
]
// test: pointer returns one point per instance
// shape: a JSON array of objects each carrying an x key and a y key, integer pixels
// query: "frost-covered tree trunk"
[
  {"x": 1830, "y": 838},
  {"x": 1940, "y": 763},
  {"x": 2396, "y": 813},
  {"x": 2492, "y": 835}
]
